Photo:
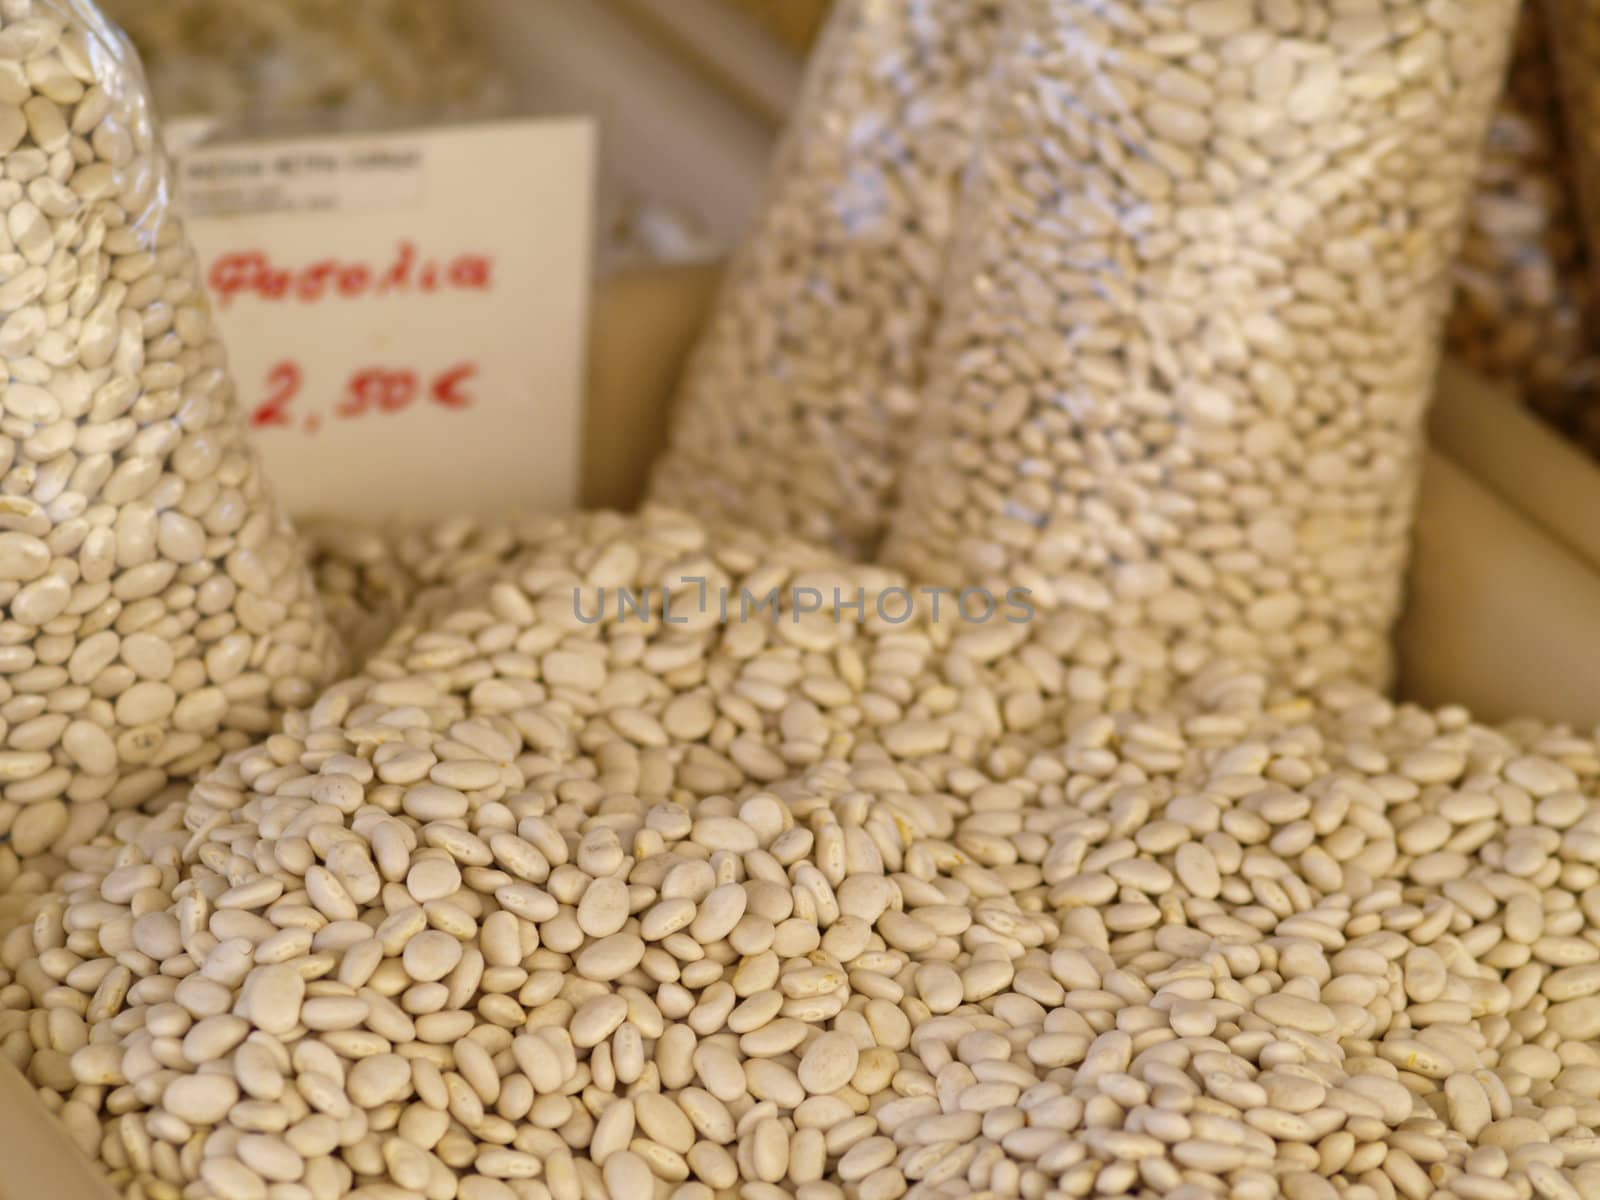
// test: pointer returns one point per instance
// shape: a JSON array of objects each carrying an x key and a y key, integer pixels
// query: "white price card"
[{"x": 405, "y": 313}]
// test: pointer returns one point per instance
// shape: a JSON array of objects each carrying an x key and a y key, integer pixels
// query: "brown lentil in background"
[{"x": 1522, "y": 280}]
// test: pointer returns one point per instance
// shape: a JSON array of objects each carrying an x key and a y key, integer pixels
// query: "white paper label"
[{"x": 405, "y": 314}]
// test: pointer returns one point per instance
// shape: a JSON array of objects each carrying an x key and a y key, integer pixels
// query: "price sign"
[{"x": 405, "y": 313}]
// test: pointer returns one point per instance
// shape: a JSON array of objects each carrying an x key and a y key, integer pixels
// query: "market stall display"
[{"x": 654, "y": 857}]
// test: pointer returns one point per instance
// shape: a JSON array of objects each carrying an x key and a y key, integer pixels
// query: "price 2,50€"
[{"x": 370, "y": 391}]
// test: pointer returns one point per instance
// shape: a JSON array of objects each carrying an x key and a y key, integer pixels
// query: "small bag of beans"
[
  {"x": 799, "y": 397},
  {"x": 158, "y": 608},
  {"x": 1194, "y": 320},
  {"x": 1522, "y": 287}
]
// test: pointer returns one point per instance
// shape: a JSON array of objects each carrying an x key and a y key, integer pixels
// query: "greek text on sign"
[
  {"x": 316, "y": 176},
  {"x": 420, "y": 353},
  {"x": 253, "y": 273}
]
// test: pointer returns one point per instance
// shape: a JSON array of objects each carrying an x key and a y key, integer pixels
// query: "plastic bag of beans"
[
  {"x": 353, "y": 61},
  {"x": 800, "y": 394},
  {"x": 1522, "y": 288},
  {"x": 158, "y": 610},
  {"x": 1194, "y": 320}
]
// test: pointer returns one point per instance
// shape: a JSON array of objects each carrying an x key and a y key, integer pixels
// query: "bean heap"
[
  {"x": 798, "y": 399},
  {"x": 1522, "y": 285},
  {"x": 539, "y": 907},
  {"x": 1196, "y": 317},
  {"x": 158, "y": 611}
]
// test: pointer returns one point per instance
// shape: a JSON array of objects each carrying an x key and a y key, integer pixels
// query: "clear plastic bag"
[
  {"x": 353, "y": 61},
  {"x": 1522, "y": 289},
  {"x": 158, "y": 608},
  {"x": 1194, "y": 323},
  {"x": 798, "y": 398}
]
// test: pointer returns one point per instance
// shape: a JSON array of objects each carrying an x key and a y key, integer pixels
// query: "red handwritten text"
[
  {"x": 253, "y": 273},
  {"x": 369, "y": 391}
]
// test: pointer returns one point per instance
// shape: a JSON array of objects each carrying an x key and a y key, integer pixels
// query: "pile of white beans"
[{"x": 539, "y": 907}]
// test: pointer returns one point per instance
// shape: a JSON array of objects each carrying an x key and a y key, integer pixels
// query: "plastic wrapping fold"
[
  {"x": 1193, "y": 325},
  {"x": 159, "y": 610},
  {"x": 798, "y": 399},
  {"x": 1501, "y": 617}
]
